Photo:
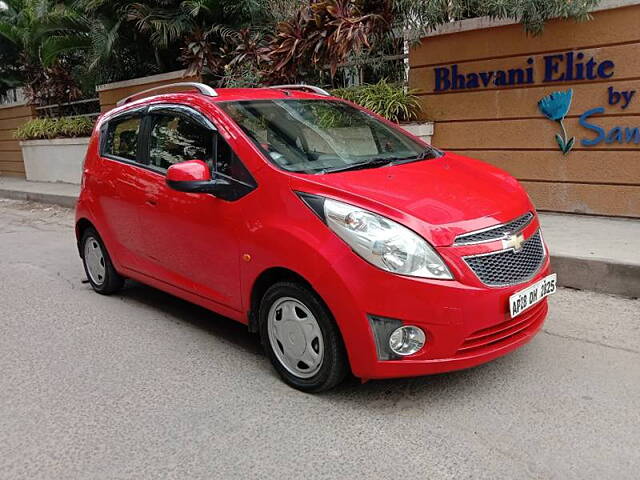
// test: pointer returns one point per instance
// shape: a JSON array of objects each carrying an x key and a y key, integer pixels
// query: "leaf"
[
  {"x": 560, "y": 142},
  {"x": 569, "y": 145}
]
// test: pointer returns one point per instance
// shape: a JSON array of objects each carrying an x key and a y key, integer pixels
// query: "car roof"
[
  {"x": 223, "y": 95},
  {"x": 237, "y": 94}
]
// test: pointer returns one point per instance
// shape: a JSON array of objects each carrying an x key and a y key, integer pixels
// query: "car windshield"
[{"x": 323, "y": 136}]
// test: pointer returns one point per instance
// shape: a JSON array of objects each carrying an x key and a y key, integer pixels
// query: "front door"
[{"x": 190, "y": 238}]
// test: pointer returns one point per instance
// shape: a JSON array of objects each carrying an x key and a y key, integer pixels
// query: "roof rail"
[
  {"x": 314, "y": 89},
  {"x": 201, "y": 87}
]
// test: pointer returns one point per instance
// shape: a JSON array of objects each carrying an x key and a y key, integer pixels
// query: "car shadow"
[
  {"x": 397, "y": 392},
  {"x": 182, "y": 311}
]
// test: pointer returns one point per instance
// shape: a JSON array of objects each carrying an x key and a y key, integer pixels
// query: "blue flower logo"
[{"x": 555, "y": 106}]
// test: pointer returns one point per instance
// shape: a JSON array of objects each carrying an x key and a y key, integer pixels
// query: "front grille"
[
  {"x": 508, "y": 267},
  {"x": 504, "y": 332},
  {"x": 496, "y": 232}
]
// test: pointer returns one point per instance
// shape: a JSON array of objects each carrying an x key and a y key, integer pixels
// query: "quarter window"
[
  {"x": 229, "y": 165},
  {"x": 122, "y": 138},
  {"x": 175, "y": 139}
]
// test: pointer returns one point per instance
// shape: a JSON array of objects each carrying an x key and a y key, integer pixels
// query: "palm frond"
[
  {"x": 53, "y": 46},
  {"x": 11, "y": 33}
]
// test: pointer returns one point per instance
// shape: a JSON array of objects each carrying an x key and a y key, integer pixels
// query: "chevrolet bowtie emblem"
[{"x": 514, "y": 242}]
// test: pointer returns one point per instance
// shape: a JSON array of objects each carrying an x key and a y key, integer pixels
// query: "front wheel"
[{"x": 301, "y": 338}]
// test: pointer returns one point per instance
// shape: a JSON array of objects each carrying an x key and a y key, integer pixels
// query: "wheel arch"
[
  {"x": 81, "y": 225},
  {"x": 261, "y": 284}
]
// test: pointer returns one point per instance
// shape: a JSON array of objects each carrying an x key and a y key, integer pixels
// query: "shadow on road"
[
  {"x": 384, "y": 393},
  {"x": 183, "y": 311}
]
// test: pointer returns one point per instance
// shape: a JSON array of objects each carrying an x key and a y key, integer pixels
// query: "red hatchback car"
[{"x": 348, "y": 244}]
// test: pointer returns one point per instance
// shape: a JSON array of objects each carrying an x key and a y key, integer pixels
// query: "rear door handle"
[{"x": 152, "y": 202}]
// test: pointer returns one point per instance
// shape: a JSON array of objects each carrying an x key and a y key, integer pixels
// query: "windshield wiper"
[
  {"x": 389, "y": 161},
  {"x": 376, "y": 162},
  {"x": 426, "y": 154}
]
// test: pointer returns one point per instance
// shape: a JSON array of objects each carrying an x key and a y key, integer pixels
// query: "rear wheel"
[
  {"x": 301, "y": 338},
  {"x": 97, "y": 264}
]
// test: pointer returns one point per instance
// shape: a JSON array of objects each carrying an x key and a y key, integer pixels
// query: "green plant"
[
  {"x": 31, "y": 28},
  {"x": 419, "y": 17},
  {"x": 47, "y": 128},
  {"x": 386, "y": 99},
  {"x": 167, "y": 21},
  {"x": 241, "y": 76},
  {"x": 10, "y": 75},
  {"x": 43, "y": 31}
]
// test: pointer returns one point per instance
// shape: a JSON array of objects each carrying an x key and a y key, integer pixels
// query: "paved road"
[{"x": 143, "y": 385}]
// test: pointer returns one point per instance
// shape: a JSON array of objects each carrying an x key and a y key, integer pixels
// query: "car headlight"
[{"x": 379, "y": 240}]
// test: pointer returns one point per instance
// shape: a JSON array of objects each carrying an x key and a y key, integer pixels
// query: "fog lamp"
[{"x": 406, "y": 340}]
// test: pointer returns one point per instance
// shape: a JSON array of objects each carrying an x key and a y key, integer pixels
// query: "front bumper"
[
  {"x": 466, "y": 325},
  {"x": 489, "y": 343}
]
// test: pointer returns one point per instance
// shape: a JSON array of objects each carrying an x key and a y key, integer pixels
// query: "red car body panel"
[{"x": 196, "y": 246}]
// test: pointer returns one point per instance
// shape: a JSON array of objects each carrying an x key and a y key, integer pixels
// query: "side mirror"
[{"x": 194, "y": 176}]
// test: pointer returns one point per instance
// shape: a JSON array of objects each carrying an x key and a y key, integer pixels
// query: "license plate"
[{"x": 527, "y": 298}]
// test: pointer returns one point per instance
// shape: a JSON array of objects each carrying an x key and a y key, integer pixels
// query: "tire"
[
  {"x": 97, "y": 264},
  {"x": 290, "y": 336}
]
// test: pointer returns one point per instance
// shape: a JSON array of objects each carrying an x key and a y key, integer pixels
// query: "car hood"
[{"x": 440, "y": 198}]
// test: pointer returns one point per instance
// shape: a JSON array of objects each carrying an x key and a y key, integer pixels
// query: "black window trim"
[
  {"x": 144, "y": 132},
  {"x": 184, "y": 111},
  {"x": 142, "y": 150}
]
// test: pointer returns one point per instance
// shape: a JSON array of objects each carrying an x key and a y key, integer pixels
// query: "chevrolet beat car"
[{"x": 349, "y": 245}]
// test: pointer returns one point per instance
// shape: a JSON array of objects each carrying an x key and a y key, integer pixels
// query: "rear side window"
[
  {"x": 175, "y": 139},
  {"x": 122, "y": 138}
]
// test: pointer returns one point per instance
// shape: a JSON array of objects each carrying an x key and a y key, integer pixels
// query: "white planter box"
[
  {"x": 57, "y": 160},
  {"x": 422, "y": 130}
]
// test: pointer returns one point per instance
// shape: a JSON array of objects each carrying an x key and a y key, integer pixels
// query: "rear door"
[{"x": 121, "y": 192}]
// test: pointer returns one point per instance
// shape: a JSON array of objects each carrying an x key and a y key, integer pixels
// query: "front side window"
[
  {"x": 122, "y": 138},
  {"x": 175, "y": 139},
  {"x": 321, "y": 136}
]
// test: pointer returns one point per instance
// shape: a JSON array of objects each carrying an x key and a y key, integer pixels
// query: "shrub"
[
  {"x": 241, "y": 76},
  {"x": 386, "y": 99},
  {"x": 63, "y": 127}
]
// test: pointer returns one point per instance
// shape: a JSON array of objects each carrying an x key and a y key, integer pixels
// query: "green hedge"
[
  {"x": 386, "y": 99},
  {"x": 47, "y": 128}
]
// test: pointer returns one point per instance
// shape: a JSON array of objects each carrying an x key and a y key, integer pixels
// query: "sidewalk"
[
  {"x": 64, "y": 194},
  {"x": 588, "y": 253},
  {"x": 601, "y": 254}
]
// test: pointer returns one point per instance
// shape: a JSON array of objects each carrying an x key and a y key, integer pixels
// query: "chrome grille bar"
[{"x": 496, "y": 232}]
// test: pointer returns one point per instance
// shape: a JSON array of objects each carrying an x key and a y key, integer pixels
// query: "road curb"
[
  {"x": 68, "y": 201},
  {"x": 596, "y": 275}
]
